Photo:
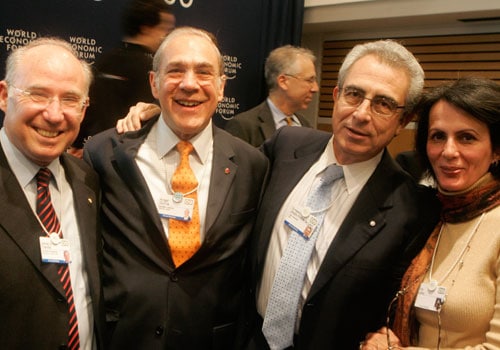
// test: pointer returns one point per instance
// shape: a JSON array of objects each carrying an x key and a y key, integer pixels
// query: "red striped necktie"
[{"x": 48, "y": 217}]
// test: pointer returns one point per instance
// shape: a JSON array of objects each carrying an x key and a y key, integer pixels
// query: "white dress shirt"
[
  {"x": 158, "y": 158},
  {"x": 344, "y": 193}
]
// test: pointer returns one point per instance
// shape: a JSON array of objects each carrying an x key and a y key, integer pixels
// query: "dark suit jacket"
[
  {"x": 387, "y": 225},
  {"x": 256, "y": 125},
  {"x": 33, "y": 306},
  {"x": 150, "y": 303}
]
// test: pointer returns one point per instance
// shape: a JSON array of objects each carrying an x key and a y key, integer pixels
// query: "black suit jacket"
[
  {"x": 256, "y": 125},
  {"x": 387, "y": 225},
  {"x": 151, "y": 304},
  {"x": 33, "y": 306}
]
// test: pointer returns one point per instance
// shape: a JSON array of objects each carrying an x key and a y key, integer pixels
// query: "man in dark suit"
[
  {"x": 375, "y": 221},
  {"x": 154, "y": 299},
  {"x": 44, "y": 97},
  {"x": 290, "y": 75}
]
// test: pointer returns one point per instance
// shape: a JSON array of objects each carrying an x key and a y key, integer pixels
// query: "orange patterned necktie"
[
  {"x": 184, "y": 236},
  {"x": 289, "y": 120}
]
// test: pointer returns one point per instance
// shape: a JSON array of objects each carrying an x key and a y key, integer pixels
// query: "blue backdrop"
[{"x": 246, "y": 31}]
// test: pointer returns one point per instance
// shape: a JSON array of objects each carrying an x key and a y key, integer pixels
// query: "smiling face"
[
  {"x": 43, "y": 133},
  {"x": 359, "y": 133},
  {"x": 458, "y": 146},
  {"x": 189, "y": 84}
]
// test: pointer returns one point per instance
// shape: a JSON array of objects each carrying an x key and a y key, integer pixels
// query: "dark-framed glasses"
[
  {"x": 70, "y": 103},
  {"x": 379, "y": 105},
  {"x": 310, "y": 80}
]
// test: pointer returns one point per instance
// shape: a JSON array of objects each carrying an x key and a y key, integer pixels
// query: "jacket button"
[
  {"x": 173, "y": 277},
  {"x": 159, "y": 331}
]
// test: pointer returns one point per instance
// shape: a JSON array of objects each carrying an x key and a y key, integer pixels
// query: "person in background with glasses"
[
  {"x": 44, "y": 97},
  {"x": 290, "y": 75},
  {"x": 449, "y": 296},
  {"x": 176, "y": 239},
  {"x": 374, "y": 222}
]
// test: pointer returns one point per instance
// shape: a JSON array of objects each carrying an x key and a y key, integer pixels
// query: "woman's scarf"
[{"x": 456, "y": 207}]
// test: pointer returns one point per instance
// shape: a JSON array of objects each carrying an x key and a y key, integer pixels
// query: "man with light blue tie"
[{"x": 367, "y": 229}]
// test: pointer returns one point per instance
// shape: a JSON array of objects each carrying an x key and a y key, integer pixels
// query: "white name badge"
[
  {"x": 55, "y": 249},
  {"x": 430, "y": 296},
  {"x": 302, "y": 222},
  {"x": 174, "y": 209}
]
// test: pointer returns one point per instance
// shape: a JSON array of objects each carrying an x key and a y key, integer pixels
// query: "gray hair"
[
  {"x": 180, "y": 31},
  {"x": 394, "y": 55},
  {"x": 14, "y": 59},
  {"x": 283, "y": 59}
]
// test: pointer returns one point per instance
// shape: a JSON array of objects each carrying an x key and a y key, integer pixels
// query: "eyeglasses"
[
  {"x": 310, "y": 81},
  {"x": 379, "y": 105},
  {"x": 69, "y": 103}
]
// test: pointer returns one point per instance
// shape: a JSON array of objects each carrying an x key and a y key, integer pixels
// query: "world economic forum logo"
[{"x": 184, "y": 3}]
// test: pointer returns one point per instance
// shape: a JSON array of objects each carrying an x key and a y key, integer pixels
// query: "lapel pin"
[
  {"x": 89, "y": 200},
  {"x": 372, "y": 223},
  {"x": 227, "y": 171}
]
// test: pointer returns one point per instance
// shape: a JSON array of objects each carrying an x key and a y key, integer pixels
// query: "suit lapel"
[
  {"x": 124, "y": 153},
  {"x": 287, "y": 172},
  {"x": 267, "y": 127},
  {"x": 366, "y": 218},
  {"x": 223, "y": 173},
  {"x": 85, "y": 202},
  {"x": 20, "y": 223}
]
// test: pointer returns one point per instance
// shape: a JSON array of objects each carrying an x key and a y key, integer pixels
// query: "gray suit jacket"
[
  {"x": 387, "y": 225},
  {"x": 256, "y": 125},
  {"x": 150, "y": 303},
  {"x": 33, "y": 307}
]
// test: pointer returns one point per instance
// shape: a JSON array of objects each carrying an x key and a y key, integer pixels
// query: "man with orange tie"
[
  {"x": 290, "y": 75},
  {"x": 179, "y": 201}
]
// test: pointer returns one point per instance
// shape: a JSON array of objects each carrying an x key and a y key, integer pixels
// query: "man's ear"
[{"x": 4, "y": 89}]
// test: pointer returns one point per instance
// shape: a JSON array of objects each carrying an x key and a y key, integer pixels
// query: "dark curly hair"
[{"x": 479, "y": 97}]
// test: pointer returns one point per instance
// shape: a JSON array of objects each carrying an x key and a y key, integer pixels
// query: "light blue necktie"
[{"x": 282, "y": 307}]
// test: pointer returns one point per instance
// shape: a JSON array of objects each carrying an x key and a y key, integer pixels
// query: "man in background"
[
  {"x": 122, "y": 75},
  {"x": 50, "y": 248},
  {"x": 290, "y": 75}
]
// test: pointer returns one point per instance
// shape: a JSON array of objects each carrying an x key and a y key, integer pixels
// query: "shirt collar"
[
  {"x": 23, "y": 168},
  {"x": 356, "y": 174},
  {"x": 278, "y": 115},
  {"x": 167, "y": 140}
]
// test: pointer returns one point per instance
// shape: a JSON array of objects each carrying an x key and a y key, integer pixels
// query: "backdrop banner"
[{"x": 246, "y": 31}]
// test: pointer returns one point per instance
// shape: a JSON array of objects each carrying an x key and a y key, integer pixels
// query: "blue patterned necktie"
[{"x": 282, "y": 307}]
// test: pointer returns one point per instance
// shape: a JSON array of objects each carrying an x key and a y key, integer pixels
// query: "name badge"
[
  {"x": 430, "y": 296},
  {"x": 302, "y": 222},
  {"x": 171, "y": 208},
  {"x": 55, "y": 249}
]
